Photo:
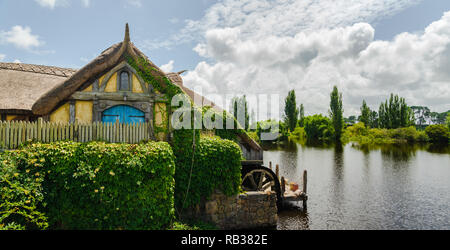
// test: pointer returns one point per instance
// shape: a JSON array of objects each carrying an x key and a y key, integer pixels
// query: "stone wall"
[{"x": 250, "y": 210}]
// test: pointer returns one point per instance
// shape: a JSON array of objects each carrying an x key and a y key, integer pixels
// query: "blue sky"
[{"x": 217, "y": 41}]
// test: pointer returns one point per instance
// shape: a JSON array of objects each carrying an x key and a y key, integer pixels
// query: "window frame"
[{"x": 119, "y": 80}]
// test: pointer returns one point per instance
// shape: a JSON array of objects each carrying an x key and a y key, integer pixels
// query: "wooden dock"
[{"x": 290, "y": 191}]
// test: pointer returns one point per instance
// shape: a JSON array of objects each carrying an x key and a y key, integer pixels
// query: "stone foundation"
[{"x": 250, "y": 210}]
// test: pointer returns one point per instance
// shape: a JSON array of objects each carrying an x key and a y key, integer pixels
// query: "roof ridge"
[{"x": 38, "y": 69}]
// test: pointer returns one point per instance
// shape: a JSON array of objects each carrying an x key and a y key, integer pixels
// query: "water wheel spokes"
[{"x": 258, "y": 180}]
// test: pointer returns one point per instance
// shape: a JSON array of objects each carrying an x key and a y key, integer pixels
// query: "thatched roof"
[
  {"x": 21, "y": 85},
  {"x": 201, "y": 101},
  {"x": 100, "y": 65},
  {"x": 198, "y": 99},
  {"x": 41, "y": 89}
]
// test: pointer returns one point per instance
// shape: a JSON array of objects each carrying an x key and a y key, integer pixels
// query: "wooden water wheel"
[{"x": 261, "y": 179}]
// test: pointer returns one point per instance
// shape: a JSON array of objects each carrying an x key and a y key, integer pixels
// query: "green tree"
[
  {"x": 336, "y": 113},
  {"x": 373, "y": 121},
  {"x": 291, "y": 111},
  {"x": 239, "y": 109},
  {"x": 395, "y": 113},
  {"x": 318, "y": 128},
  {"x": 365, "y": 114},
  {"x": 438, "y": 133},
  {"x": 448, "y": 121},
  {"x": 302, "y": 116}
]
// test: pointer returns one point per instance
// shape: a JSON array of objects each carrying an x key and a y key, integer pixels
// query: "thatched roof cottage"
[{"x": 107, "y": 89}]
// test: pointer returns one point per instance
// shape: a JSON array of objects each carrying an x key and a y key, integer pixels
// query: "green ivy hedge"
[
  {"x": 88, "y": 186},
  {"x": 217, "y": 166}
]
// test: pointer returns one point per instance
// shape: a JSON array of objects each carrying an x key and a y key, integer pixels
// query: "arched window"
[{"x": 124, "y": 83}]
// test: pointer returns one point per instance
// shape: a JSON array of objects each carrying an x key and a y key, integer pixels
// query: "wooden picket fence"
[{"x": 15, "y": 133}]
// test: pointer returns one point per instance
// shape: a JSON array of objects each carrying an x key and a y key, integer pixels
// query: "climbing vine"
[{"x": 185, "y": 141}]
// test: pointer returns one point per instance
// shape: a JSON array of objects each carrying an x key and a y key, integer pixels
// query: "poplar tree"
[
  {"x": 302, "y": 116},
  {"x": 395, "y": 113},
  {"x": 291, "y": 111},
  {"x": 337, "y": 113},
  {"x": 365, "y": 114}
]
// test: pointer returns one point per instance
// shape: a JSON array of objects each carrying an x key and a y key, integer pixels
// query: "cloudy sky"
[{"x": 368, "y": 48}]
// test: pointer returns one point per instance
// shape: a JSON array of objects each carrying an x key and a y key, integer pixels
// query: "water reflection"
[{"x": 370, "y": 187}]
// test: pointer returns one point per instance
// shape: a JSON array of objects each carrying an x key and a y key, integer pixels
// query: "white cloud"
[
  {"x": 416, "y": 66},
  {"x": 21, "y": 37},
  {"x": 17, "y": 61},
  {"x": 260, "y": 18},
  {"x": 2, "y": 57},
  {"x": 167, "y": 67},
  {"x": 52, "y": 3},
  {"x": 86, "y": 3}
]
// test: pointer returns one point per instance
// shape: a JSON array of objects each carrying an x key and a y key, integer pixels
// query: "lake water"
[{"x": 389, "y": 187}]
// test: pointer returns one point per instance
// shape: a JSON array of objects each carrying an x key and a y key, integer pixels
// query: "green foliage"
[
  {"x": 438, "y": 133},
  {"x": 318, "y": 128},
  {"x": 190, "y": 151},
  {"x": 448, "y": 121},
  {"x": 350, "y": 120},
  {"x": 101, "y": 186},
  {"x": 365, "y": 114},
  {"x": 368, "y": 117},
  {"x": 395, "y": 113},
  {"x": 301, "y": 120},
  {"x": 298, "y": 134},
  {"x": 254, "y": 136},
  {"x": 21, "y": 194},
  {"x": 359, "y": 133},
  {"x": 239, "y": 107},
  {"x": 217, "y": 166},
  {"x": 192, "y": 226},
  {"x": 291, "y": 111},
  {"x": 337, "y": 113},
  {"x": 272, "y": 126}
]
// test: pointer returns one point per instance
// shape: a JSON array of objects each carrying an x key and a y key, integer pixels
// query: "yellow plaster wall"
[
  {"x": 11, "y": 117},
  {"x": 137, "y": 88},
  {"x": 100, "y": 80},
  {"x": 83, "y": 111},
  {"x": 61, "y": 115},
  {"x": 111, "y": 86},
  {"x": 88, "y": 89}
]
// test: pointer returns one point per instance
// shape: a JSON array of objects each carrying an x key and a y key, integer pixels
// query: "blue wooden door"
[{"x": 123, "y": 114}]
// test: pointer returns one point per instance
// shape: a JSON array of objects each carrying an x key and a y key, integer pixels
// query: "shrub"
[
  {"x": 269, "y": 127},
  {"x": 298, "y": 134},
  {"x": 357, "y": 129},
  {"x": 318, "y": 127},
  {"x": 102, "y": 186},
  {"x": 21, "y": 196},
  {"x": 438, "y": 133},
  {"x": 409, "y": 134},
  {"x": 216, "y": 166}
]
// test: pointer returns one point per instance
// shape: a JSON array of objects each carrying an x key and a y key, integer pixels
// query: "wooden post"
[
  {"x": 283, "y": 186},
  {"x": 39, "y": 129},
  {"x": 270, "y": 165},
  {"x": 277, "y": 171},
  {"x": 305, "y": 181}
]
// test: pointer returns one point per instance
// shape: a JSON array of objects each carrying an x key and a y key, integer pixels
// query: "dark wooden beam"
[{"x": 118, "y": 96}]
